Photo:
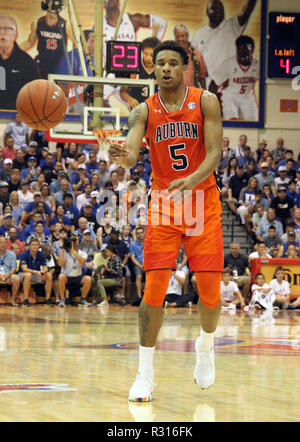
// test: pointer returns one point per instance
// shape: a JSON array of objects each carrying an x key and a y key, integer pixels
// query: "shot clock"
[
  {"x": 123, "y": 57},
  {"x": 284, "y": 44}
]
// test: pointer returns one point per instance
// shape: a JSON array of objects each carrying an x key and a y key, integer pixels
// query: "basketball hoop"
[{"x": 107, "y": 136}]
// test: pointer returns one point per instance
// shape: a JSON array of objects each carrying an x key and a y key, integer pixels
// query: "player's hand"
[
  {"x": 118, "y": 153},
  {"x": 131, "y": 102},
  {"x": 178, "y": 187}
]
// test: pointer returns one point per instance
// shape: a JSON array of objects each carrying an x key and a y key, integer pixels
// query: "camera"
[{"x": 67, "y": 245}]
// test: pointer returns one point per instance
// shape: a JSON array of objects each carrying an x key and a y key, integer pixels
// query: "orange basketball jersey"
[{"x": 176, "y": 139}]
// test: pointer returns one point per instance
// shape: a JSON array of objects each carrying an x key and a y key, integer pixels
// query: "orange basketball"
[{"x": 41, "y": 104}]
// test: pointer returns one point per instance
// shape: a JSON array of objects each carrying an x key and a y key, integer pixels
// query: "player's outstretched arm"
[
  {"x": 247, "y": 10},
  {"x": 127, "y": 156}
]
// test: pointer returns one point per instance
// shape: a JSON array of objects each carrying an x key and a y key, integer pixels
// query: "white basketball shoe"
[
  {"x": 141, "y": 390},
  {"x": 204, "y": 373}
]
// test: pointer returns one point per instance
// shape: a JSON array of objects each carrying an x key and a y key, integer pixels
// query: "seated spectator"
[
  {"x": 283, "y": 206},
  {"x": 239, "y": 150},
  {"x": 140, "y": 183},
  {"x": 296, "y": 218},
  {"x": 122, "y": 250},
  {"x": 236, "y": 183},
  {"x": 47, "y": 197},
  {"x": 8, "y": 222},
  {"x": 58, "y": 244},
  {"x": 104, "y": 231},
  {"x": 83, "y": 198},
  {"x": 19, "y": 163},
  {"x": 292, "y": 251},
  {"x": 5, "y": 170},
  {"x": 278, "y": 153},
  {"x": 238, "y": 264},
  {"x": 290, "y": 169},
  {"x": 290, "y": 227},
  {"x": 263, "y": 226},
  {"x": 117, "y": 219},
  {"x": 55, "y": 183},
  {"x": 60, "y": 217},
  {"x": 273, "y": 243},
  {"x": 288, "y": 156},
  {"x": 291, "y": 241},
  {"x": 70, "y": 209},
  {"x": 136, "y": 254},
  {"x": 71, "y": 277},
  {"x": 230, "y": 294},
  {"x": 92, "y": 163},
  {"x": 15, "y": 180},
  {"x": 267, "y": 196},
  {"x": 68, "y": 155},
  {"x": 246, "y": 158},
  {"x": 4, "y": 193},
  {"x": 94, "y": 200},
  {"x": 30, "y": 229},
  {"x": 126, "y": 234},
  {"x": 103, "y": 174},
  {"x": 16, "y": 208},
  {"x": 8, "y": 265},
  {"x": 31, "y": 208},
  {"x": 265, "y": 176},
  {"x": 87, "y": 245},
  {"x": 298, "y": 180},
  {"x": 247, "y": 198},
  {"x": 39, "y": 234},
  {"x": 87, "y": 212},
  {"x": 282, "y": 180},
  {"x": 18, "y": 131},
  {"x": 47, "y": 164},
  {"x": 95, "y": 181},
  {"x": 281, "y": 289},
  {"x": 229, "y": 171},
  {"x": 82, "y": 226},
  {"x": 292, "y": 192},
  {"x": 261, "y": 252},
  {"x": 30, "y": 174},
  {"x": 78, "y": 179},
  {"x": 111, "y": 276},
  {"x": 9, "y": 150},
  {"x": 35, "y": 270},
  {"x": 263, "y": 296},
  {"x": 25, "y": 196},
  {"x": 259, "y": 215},
  {"x": 175, "y": 296},
  {"x": 259, "y": 151},
  {"x": 64, "y": 188}
]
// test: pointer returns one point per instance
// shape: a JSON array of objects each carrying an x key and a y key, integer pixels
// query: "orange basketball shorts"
[{"x": 196, "y": 224}]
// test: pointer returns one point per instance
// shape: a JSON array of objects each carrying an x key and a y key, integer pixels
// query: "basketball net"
[{"x": 106, "y": 137}]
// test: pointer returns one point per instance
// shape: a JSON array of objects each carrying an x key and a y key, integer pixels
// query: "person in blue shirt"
[
  {"x": 37, "y": 216},
  {"x": 31, "y": 207},
  {"x": 48, "y": 163},
  {"x": 35, "y": 270},
  {"x": 291, "y": 241},
  {"x": 8, "y": 266},
  {"x": 31, "y": 172},
  {"x": 136, "y": 254},
  {"x": 292, "y": 192},
  {"x": 7, "y": 224},
  {"x": 70, "y": 209},
  {"x": 60, "y": 217},
  {"x": 92, "y": 164}
]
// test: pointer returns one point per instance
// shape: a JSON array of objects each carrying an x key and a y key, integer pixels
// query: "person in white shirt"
[
  {"x": 216, "y": 40},
  {"x": 281, "y": 288},
  {"x": 25, "y": 196},
  {"x": 19, "y": 131},
  {"x": 282, "y": 179},
  {"x": 83, "y": 198},
  {"x": 230, "y": 294},
  {"x": 262, "y": 294},
  {"x": 261, "y": 252},
  {"x": 174, "y": 296}
]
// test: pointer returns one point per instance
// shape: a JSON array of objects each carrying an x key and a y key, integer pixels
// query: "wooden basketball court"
[{"x": 77, "y": 364}]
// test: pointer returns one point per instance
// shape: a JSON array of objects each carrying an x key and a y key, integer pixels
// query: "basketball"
[{"x": 41, "y": 104}]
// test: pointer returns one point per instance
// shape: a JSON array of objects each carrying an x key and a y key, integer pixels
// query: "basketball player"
[
  {"x": 135, "y": 95},
  {"x": 184, "y": 131},
  {"x": 50, "y": 32},
  {"x": 236, "y": 79},
  {"x": 16, "y": 67},
  {"x": 195, "y": 72},
  {"x": 216, "y": 40}
]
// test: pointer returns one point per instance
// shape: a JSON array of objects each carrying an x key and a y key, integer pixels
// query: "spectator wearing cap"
[
  {"x": 63, "y": 188},
  {"x": 290, "y": 227},
  {"x": 87, "y": 245},
  {"x": 87, "y": 212},
  {"x": 83, "y": 198},
  {"x": 59, "y": 175},
  {"x": 31, "y": 172},
  {"x": 103, "y": 174},
  {"x": 25, "y": 196},
  {"x": 6, "y": 170},
  {"x": 28, "y": 230},
  {"x": 9, "y": 150},
  {"x": 15, "y": 180},
  {"x": 283, "y": 206},
  {"x": 236, "y": 183},
  {"x": 35, "y": 270},
  {"x": 263, "y": 226},
  {"x": 19, "y": 162},
  {"x": 282, "y": 180},
  {"x": 290, "y": 241},
  {"x": 60, "y": 217},
  {"x": 246, "y": 158},
  {"x": 31, "y": 208},
  {"x": 78, "y": 179},
  {"x": 94, "y": 199},
  {"x": 92, "y": 163},
  {"x": 12, "y": 238},
  {"x": 31, "y": 150},
  {"x": 39, "y": 234},
  {"x": 82, "y": 226},
  {"x": 265, "y": 176},
  {"x": 4, "y": 193},
  {"x": 18, "y": 130},
  {"x": 8, "y": 222},
  {"x": 71, "y": 210}
]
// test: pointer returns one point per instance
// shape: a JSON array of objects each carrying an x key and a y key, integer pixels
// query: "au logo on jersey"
[{"x": 192, "y": 105}]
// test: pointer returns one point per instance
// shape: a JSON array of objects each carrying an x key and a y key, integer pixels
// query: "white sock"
[
  {"x": 205, "y": 341},
  {"x": 146, "y": 355}
]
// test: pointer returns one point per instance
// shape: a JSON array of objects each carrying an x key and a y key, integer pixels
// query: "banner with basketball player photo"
[{"x": 225, "y": 40}]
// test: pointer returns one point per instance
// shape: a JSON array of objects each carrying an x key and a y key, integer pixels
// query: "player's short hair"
[
  {"x": 245, "y": 40},
  {"x": 171, "y": 45},
  {"x": 150, "y": 42}
]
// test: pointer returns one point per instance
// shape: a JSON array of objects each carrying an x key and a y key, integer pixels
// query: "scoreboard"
[{"x": 284, "y": 44}]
